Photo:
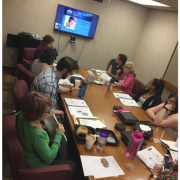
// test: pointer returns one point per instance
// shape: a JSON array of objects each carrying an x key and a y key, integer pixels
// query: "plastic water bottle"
[
  {"x": 134, "y": 144},
  {"x": 102, "y": 140},
  {"x": 82, "y": 90},
  {"x": 111, "y": 83}
]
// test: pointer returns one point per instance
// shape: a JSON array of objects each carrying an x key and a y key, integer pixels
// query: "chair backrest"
[
  {"x": 20, "y": 89},
  {"x": 134, "y": 74},
  {"x": 28, "y": 53},
  {"x": 14, "y": 148},
  {"x": 138, "y": 86},
  {"x": 24, "y": 74}
]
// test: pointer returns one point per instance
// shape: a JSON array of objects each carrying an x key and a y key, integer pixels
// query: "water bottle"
[
  {"x": 82, "y": 90},
  {"x": 134, "y": 144},
  {"x": 102, "y": 140},
  {"x": 111, "y": 83}
]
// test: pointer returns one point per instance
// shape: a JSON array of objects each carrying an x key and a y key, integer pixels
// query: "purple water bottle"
[{"x": 134, "y": 144}]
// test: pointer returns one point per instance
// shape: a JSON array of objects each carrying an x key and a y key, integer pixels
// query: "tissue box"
[{"x": 90, "y": 78}]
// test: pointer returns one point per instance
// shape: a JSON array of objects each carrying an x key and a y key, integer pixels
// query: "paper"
[
  {"x": 75, "y": 102},
  {"x": 128, "y": 102},
  {"x": 77, "y": 75},
  {"x": 174, "y": 155},
  {"x": 92, "y": 166},
  {"x": 80, "y": 111},
  {"x": 54, "y": 64},
  {"x": 104, "y": 75},
  {"x": 150, "y": 156},
  {"x": 121, "y": 95},
  {"x": 171, "y": 144},
  {"x": 64, "y": 81},
  {"x": 144, "y": 127},
  {"x": 98, "y": 71},
  {"x": 95, "y": 123}
]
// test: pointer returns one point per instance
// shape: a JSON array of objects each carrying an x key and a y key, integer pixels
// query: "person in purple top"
[{"x": 47, "y": 41}]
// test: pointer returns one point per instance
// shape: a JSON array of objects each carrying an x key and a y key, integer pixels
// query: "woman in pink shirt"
[{"x": 126, "y": 80}]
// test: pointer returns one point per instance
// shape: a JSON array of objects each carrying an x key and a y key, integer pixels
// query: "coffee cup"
[
  {"x": 77, "y": 82},
  {"x": 90, "y": 139}
]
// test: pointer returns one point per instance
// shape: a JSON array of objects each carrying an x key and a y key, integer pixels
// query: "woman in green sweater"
[{"x": 35, "y": 107}]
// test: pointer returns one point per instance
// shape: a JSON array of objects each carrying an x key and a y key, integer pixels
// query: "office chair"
[
  {"x": 20, "y": 89},
  {"x": 24, "y": 74},
  {"x": 137, "y": 88},
  {"x": 19, "y": 169},
  {"x": 28, "y": 57}
]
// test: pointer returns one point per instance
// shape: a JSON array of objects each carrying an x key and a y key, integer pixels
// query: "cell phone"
[
  {"x": 147, "y": 123},
  {"x": 166, "y": 159}
]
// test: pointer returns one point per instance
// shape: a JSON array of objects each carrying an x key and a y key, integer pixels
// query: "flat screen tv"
[{"x": 76, "y": 22}]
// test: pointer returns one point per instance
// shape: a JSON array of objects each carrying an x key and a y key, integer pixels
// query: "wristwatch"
[
  {"x": 153, "y": 176},
  {"x": 165, "y": 108},
  {"x": 70, "y": 89}
]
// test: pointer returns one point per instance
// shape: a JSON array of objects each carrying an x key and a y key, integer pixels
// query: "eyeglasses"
[
  {"x": 171, "y": 102},
  {"x": 49, "y": 112},
  {"x": 127, "y": 67}
]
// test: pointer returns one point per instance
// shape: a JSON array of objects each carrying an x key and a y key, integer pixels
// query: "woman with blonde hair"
[{"x": 126, "y": 80}]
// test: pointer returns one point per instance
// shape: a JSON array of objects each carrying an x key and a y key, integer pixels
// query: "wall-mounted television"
[{"x": 76, "y": 22}]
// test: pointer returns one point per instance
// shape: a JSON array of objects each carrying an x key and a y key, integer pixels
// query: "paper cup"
[
  {"x": 104, "y": 80},
  {"x": 90, "y": 139},
  {"x": 77, "y": 82}
]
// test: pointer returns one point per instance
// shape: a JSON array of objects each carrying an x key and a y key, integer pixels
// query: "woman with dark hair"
[
  {"x": 47, "y": 41},
  {"x": 46, "y": 61},
  {"x": 38, "y": 151},
  {"x": 151, "y": 96},
  {"x": 166, "y": 115}
]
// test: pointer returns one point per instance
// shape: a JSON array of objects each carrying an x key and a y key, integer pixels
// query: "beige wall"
[
  {"x": 147, "y": 37},
  {"x": 156, "y": 45}
]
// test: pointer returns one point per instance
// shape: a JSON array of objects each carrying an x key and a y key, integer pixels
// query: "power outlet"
[{"x": 12, "y": 56}]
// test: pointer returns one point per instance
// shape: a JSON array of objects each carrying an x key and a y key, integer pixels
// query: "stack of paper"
[
  {"x": 121, "y": 95},
  {"x": 129, "y": 102},
  {"x": 64, "y": 81},
  {"x": 75, "y": 102},
  {"x": 92, "y": 166},
  {"x": 77, "y": 75},
  {"x": 150, "y": 156}
]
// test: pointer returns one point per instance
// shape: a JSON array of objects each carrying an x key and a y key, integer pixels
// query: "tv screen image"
[{"x": 75, "y": 21}]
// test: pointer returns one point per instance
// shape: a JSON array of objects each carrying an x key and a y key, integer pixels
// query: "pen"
[
  {"x": 173, "y": 150},
  {"x": 58, "y": 124},
  {"x": 121, "y": 110}
]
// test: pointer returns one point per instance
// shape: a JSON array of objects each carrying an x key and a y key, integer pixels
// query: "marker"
[
  {"x": 58, "y": 124},
  {"x": 121, "y": 110}
]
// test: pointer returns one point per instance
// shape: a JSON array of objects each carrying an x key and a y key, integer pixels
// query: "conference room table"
[{"x": 101, "y": 103}]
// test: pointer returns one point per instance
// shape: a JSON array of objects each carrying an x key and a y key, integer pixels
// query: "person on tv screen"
[{"x": 70, "y": 23}]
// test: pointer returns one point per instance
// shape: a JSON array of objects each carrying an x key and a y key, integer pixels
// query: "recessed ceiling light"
[{"x": 148, "y": 3}]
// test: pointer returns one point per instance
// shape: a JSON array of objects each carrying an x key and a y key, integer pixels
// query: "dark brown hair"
[
  {"x": 33, "y": 105},
  {"x": 46, "y": 40}
]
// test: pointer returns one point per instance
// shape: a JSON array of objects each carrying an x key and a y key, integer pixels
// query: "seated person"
[
  {"x": 47, "y": 82},
  {"x": 116, "y": 64},
  {"x": 166, "y": 115},
  {"x": 35, "y": 107},
  {"x": 126, "y": 80},
  {"x": 46, "y": 61},
  {"x": 151, "y": 96},
  {"x": 159, "y": 174},
  {"x": 47, "y": 41}
]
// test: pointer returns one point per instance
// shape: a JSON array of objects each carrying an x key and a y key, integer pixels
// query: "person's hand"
[
  {"x": 158, "y": 169},
  {"x": 108, "y": 73},
  {"x": 118, "y": 71},
  {"x": 170, "y": 107},
  {"x": 171, "y": 163},
  {"x": 77, "y": 87},
  {"x": 55, "y": 61},
  {"x": 60, "y": 129}
]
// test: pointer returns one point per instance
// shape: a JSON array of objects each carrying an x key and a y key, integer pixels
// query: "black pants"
[{"x": 62, "y": 156}]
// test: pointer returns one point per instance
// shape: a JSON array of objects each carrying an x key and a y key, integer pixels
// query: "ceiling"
[{"x": 172, "y": 3}]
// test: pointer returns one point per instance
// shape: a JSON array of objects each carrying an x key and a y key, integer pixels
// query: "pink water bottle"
[{"x": 134, "y": 144}]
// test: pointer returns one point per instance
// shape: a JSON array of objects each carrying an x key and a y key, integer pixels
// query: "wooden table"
[{"x": 101, "y": 104}]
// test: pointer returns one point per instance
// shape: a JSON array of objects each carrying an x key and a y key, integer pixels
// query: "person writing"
[
  {"x": 35, "y": 107},
  {"x": 47, "y": 82},
  {"x": 46, "y": 61},
  {"x": 126, "y": 80},
  {"x": 151, "y": 96},
  {"x": 159, "y": 174},
  {"x": 47, "y": 41},
  {"x": 116, "y": 64},
  {"x": 166, "y": 115}
]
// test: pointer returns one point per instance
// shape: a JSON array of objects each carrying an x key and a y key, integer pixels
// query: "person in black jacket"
[{"x": 151, "y": 96}]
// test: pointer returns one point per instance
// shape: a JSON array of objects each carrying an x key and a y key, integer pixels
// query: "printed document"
[
  {"x": 121, "y": 95},
  {"x": 129, "y": 102},
  {"x": 75, "y": 102}
]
